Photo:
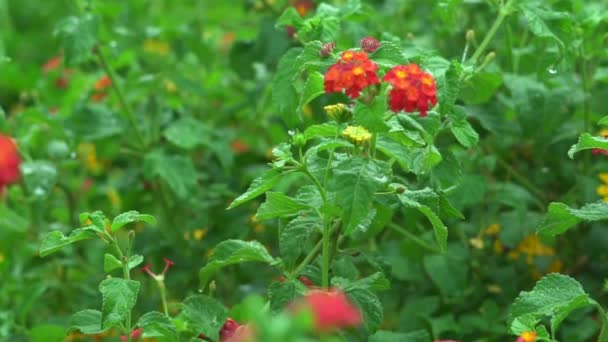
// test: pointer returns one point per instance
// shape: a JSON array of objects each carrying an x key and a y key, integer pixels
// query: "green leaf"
[
  {"x": 312, "y": 88},
  {"x": 448, "y": 272},
  {"x": 441, "y": 231},
  {"x": 176, "y": 170},
  {"x": 55, "y": 240},
  {"x": 232, "y": 252},
  {"x": 464, "y": 133},
  {"x": 388, "y": 55},
  {"x": 259, "y": 186},
  {"x": 293, "y": 237},
  {"x": 204, "y": 315},
  {"x": 389, "y": 336},
  {"x": 187, "y": 133},
  {"x": 587, "y": 141},
  {"x": 290, "y": 17},
  {"x": 280, "y": 294},
  {"x": 156, "y": 324},
  {"x": 284, "y": 94},
  {"x": 87, "y": 322},
  {"x": 129, "y": 217},
  {"x": 119, "y": 297},
  {"x": 326, "y": 130},
  {"x": 79, "y": 36},
  {"x": 481, "y": 87},
  {"x": 603, "y": 121},
  {"x": 355, "y": 181},
  {"x": 94, "y": 122},
  {"x": 46, "y": 332},
  {"x": 555, "y": 296},
  {"x": 536, "y": 22},
  {"x": 425, "y": 159},
  {"x": 39, "y": 177},
  {"x": 278, "y": 205},
  {"x": 561, "y": 218},
  {"x": 370, "y": 306},
  {"x": 372, "y": 116},
  {"x": 110, "y": 263},
  {"x": 449, "y": 87}
]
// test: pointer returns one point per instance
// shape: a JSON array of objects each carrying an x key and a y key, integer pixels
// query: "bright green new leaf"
[
  {"x": 230, "y": 252},
  {"x": 204, "y": 315},
  {"x": 603, "y": 121},
  {"x": 464, "y": 133},
  {"x": 119, "y": 297},
  {"x": 326, "y": 130},
  {"x": 560, "y": 217},
  {"x": 355, "y": 181},
  {"x": 110, "y": 263},
  {"x": 188, "y": 133},
  {"x": 156, "y": 324},
  {"x": 587, "y": 141},
  {"x": 259, "y": 186},
  {"x": 129, "y": 217},
  {"x": 290, "y": 17},
  {"x": 278, "y": 205},
  {"x": 555, "y": 296},
  {"x": 87, "y": 322},
  {"x": 55, "y": 240}
]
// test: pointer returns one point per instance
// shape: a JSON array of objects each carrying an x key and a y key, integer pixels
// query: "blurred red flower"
[
  {"x": 413, "y": 89},
  {"x": 135, "y": 335},
  {"x": 51, "y": 64},
  {"x": 331, "y": 309},
  {"x": 304, "y": 6},
  {"x": 527, "y": 336},
  {"x": 102, "y": 83},
  {"x": 9, "y": 162},
  {"x": 352, "y": 73}
]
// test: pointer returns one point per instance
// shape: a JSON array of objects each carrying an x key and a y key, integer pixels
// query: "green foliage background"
[{"x": 212, "y": 106}]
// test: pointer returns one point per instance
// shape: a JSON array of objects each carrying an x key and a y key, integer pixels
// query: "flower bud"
[
  {"x": 299, "y": 139},
  {"x": 489, "y": 58},
  {"x": 338, "y": 112},
  {"x": 369, "y": 44},
  {"x": 357, "y": 134},
  {"x": 326, "y": 49},
  {"x": 470, "y": 36}
]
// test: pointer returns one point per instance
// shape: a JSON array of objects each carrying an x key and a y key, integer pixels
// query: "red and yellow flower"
[
  {"x": 352, "y": 73},
  {"x": 413, "y": 89},
  {"x": 9, "y": 162}
]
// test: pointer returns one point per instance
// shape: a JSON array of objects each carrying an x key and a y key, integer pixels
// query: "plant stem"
[
  {"x": 603, "y": 337},
  {"x": 163, "y": 297},
  {"x": 121, "y": 98},
  {"x": 125, "y": 271},
  {"x": 325, "y": 254},
  {"x": 413, "y": 237},
  {"x": 310, "y": 257},
  {"x": 502, "y": 14},
  {"x": 372, "y": 148},
  {"x": 586, "y": 106}
]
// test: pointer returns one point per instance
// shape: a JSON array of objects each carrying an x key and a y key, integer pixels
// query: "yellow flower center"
[
  {"x": 401, "y": 74},
  {"x": 358, "y": 71}
]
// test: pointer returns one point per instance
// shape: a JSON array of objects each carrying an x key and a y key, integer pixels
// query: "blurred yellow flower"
[
  {"x": 492, "y": 229},
  {"x": 88, "y": 156},
  {"x": 170, "y": 87},
  {"x": 114, "y": 198},
  {"x": 199, "y": 234},
  {"x": 530, "y": 247},
  {"x": 602, "y": 189},
  {"x": 156, "y": 46},
  {"x": 476, "y": 242},
  {"x": 358, "y": 134},
  {"x": 307, "y": 109},
  {"x": 209, "y": 252},
  {"x": 1, "y": 258}
]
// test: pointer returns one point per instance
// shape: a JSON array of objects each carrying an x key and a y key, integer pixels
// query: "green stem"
[
  {"x": 502, "y": 14},
  {"x": 372, "y": 148},
  {"x": 603, "y": 337},
  {"x": 413, "y": 238},
  {"x": 121, "y": 98},
  {"x": 163, "y": 297},
  {"x": 325, "y": 253},
  {"x": 310, "y": 257},
  {"x": 125, "y": 270},
  {"x": 586, "y": 106}
]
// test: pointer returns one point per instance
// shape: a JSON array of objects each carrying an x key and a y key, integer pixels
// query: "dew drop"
[
  {"x": 39, "y": 191},
  {"x": 552, "y": 70}
]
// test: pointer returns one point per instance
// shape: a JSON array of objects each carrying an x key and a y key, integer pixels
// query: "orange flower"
[
  {"x": 352, "y": 73},
  {"x": 103, "y": 83},
  {"x": 51, "y": 64},
  {"x": 304, "y": 6},
  {"x": 239, "y": 146},
  {"x": 527, "y": 336},
  {"x": 413, "y": 89},
  {"x": 9, "y": 162},
  {"x": 98, "y": 97}
]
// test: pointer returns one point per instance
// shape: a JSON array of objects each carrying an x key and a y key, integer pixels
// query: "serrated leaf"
[
  {"x": 555, "y": 295},
  {"x": 176, "y": 170},
  {"x": 388, "y": 55},
  {"x": 79, "y": 36},
  {"x": 293, "y": 237},
  {"x": 278, "y": 205},
  {"x": 187, "y": 133},
  {"x": 119, "y": 297},
  {"x": 232, "y": 252},
  {"x": 156, "y": 324},
  {"x": 129, "y": 217},
  {"x": 110, "y": 263},
  {"x": 87, "y": 322},
  {"x": 284, "y": 95},
  {"x": 259, "y": 186},
  {"x": 312, "y": 88},
  {"x": 441, "y": 231},
  {"x": 280, "y": 294},
  {"x": 372, "y": 116},
  {"x": 290, "y": 17},
  {"x": 55, "y": 240},
  {"x": 370, "y": 306},
  {"x": 97, "y": 218},
  {"x": 204, "y": 315},
  {"x": 587, "y": 141},
  {"x": 560, "y": 218},
  {"x": 481, "y": 87},
  {"x": 449, "y": 87},
  {"x": 325, "y": 130},
  {"x": 355, "y": 181},
  {"x": 464, "y": 133}
]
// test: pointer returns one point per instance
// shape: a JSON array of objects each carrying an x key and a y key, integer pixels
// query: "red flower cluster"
[
  {"x": 100, "y": 85},
  {"x": 412, "y": 89},
  {"x": 232, "y": 331},
  {"x": 352, "y": 73},
  {"x": 326, "y": 49},
  {"x": 53, "y": 64},
  {"x": 331, "y": 309},
  {"x": 9, "y": 162},
  {"x": 370, "y": 44}
]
